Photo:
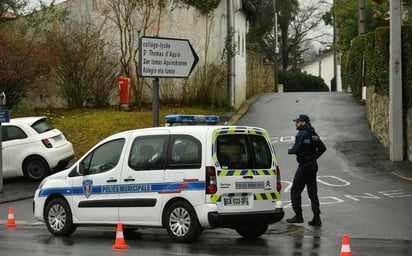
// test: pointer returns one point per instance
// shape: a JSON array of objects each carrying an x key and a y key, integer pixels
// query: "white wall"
[
  {"x": 323, "y": 68},
  {"x": 181, "y": 21}
]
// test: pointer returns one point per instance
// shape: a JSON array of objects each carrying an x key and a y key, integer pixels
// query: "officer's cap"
[{"x": 303, "y": 118}]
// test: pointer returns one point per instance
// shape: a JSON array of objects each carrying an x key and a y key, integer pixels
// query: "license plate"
[
  {"x": 58, "y": 138},
  {"x": 236, "y": 201}
]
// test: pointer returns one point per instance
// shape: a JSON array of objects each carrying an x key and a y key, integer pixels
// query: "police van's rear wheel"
[
  {"x": 181, "y": 222},
  {"x": 252, "y": 230},
  {"x": 58, "y": 218}
]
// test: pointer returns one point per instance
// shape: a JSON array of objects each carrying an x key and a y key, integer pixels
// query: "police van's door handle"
[
  {"x": 248, "y": 177},
  {"x": 129, "y": 179},
  {"x": 111, "y": 180}
]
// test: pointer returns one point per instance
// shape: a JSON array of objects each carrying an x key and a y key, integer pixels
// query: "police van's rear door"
[{"x": 245, "y": 170}]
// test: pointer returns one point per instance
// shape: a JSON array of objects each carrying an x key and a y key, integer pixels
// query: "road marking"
[
  {"x": 288, "y": 139},
  {"x": 341, "y": 182},
  {"x": 334, "y": 181}
]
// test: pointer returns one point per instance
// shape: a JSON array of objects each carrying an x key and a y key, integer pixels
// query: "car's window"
[
  {"x": 148, "y": 153},
  {"x": 233, "y": 151},
  {"x": 12, "y": 133},
  {"x": 263, "y": 156},
  {"x": 42, "y": 126},
  {"x": 241, "y": 151},
  {"x": 185, "y": 152},
  {"x": 103, "y": 158}
]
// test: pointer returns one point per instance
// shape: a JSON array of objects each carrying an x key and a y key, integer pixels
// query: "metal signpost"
[
  {"x": 166, "y": 58},
  {"x": 4, "y": 118}
]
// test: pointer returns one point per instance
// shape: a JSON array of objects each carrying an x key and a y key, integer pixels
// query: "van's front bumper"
[{"x": 232, "y": 220}]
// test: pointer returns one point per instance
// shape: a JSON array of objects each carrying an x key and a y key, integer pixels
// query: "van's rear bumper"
[{"x": 231, "y": 220}]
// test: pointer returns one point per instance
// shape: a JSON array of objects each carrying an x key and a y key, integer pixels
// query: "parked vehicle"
[
  {"x": 183, "y": 178},
  {"x": 33, "y": 147}
]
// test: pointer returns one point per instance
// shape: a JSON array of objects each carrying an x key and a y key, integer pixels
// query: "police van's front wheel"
[
  {"x": 58, "y": 218},
  {"x": 181, "y": 222},
  {"x": 252, "y": 230}
]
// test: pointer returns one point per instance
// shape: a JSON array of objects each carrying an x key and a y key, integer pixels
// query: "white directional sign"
[{"x": 166, "y": 57}]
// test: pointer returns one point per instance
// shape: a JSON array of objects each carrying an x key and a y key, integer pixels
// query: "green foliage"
[
  {"x": 369, "y": 55},
  {"x": 347, "y": 14},
  {"x": 296, "y": 81},
  {"x": 381, "y": 62},
  {"x": 367, "y": 63},
  {"x": 407, "y": 65},
  {"x": 353, "y": 70},
  {"x": 204, "y": 6}
]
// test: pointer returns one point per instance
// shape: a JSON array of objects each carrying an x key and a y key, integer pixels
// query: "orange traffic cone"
[
  {"x": 119, "y": 242},
  {"x": 10, "y": 219},
  {"x": 345, "y": 251}
]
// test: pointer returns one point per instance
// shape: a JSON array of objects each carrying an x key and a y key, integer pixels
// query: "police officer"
[{"x": 308, "y": 148}]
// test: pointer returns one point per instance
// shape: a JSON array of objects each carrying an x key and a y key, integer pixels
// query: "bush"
[{"x": 296, "y": 81}]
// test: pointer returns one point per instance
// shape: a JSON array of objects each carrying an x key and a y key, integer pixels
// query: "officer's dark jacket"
[{"x": 308, "y": 146}]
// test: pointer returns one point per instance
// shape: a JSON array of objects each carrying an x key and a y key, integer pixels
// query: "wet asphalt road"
[{"x": 359, "y": 196}]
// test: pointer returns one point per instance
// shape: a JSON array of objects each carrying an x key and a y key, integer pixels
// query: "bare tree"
[
  {"x": 86, "y": 68},
  {"x": 301, "y": 31},
  {"x": 133, "y": 18}
]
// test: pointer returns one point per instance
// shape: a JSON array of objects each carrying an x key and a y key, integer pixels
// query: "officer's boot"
[
  {"x": 316, "y": 221},
  {"x": 298, "y": 218}
]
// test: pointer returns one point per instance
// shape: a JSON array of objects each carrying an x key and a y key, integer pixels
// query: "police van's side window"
[
  {"x": 263, "y": 156},
  {"x": 148, "y": 153},
  {"x": 103, "y": 158},
  {"x": 185, "y": 152}
]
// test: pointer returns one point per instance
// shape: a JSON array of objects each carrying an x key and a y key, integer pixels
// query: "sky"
[{"x": 35, "y": 3}]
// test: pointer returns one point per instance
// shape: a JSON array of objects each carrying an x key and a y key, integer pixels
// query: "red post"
[{"x": 124, "y": 91}]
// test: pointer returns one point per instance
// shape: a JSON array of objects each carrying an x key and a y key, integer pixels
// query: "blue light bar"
[{"x": 191, "y": 119}]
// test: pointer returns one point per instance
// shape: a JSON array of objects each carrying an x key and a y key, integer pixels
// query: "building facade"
[{"x": 207, "y": 33}]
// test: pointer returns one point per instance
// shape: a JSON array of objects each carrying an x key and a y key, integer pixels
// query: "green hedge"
[
  {"x": 367, "y": 63},
  {"x": 296, "y": 81}
]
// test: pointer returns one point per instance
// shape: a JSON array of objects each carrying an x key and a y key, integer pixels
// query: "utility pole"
[
  {"x": 275, "y": 45},
  {"x": 361, "y": 20},
  {"x": 395, "y": 84},
  {"x": 335, "y": 54}
]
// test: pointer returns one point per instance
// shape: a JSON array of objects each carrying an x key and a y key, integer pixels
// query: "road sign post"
[{"x": 164, "y": 58}]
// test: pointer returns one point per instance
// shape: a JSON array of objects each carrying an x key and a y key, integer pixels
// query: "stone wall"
[{"x": 377, "y": 112}]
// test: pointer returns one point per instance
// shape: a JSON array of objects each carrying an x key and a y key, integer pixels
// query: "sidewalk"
[{"x": 17, "y": 189}]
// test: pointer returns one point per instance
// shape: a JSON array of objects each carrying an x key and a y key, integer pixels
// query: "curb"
[
  {"x": 401, "y": 176},
  {"x": 242, "y": 110}
]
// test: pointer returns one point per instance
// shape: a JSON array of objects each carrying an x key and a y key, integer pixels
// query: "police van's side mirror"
[{"x": 80, "y": 169}]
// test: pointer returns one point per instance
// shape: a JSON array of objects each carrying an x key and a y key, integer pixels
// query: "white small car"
[
  {"x": 33, "y": 147},
  {"x": 183, "y": 178}
]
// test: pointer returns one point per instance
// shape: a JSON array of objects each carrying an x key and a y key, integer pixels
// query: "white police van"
[{"x": 183, "y": 178}]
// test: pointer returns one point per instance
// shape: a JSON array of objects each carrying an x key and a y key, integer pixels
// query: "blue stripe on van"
[{"x": 127, "y": 188}]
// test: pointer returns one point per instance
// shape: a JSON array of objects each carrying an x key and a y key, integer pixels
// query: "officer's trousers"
[{"x": 305, "y": 175}]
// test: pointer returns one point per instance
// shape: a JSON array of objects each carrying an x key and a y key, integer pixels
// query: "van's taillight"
[
  {"x": 47, "y": 143},
  {"x": 211, "y": 187},
  {"x": 278, "y": 184}
]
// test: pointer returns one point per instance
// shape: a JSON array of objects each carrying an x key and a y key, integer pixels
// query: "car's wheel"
[
  {"x": 35, "y": 168},
  {"x": 181, "y": 222},
  {"x": 58, "y": 218},
  {"x": 252, "y": 230}
]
